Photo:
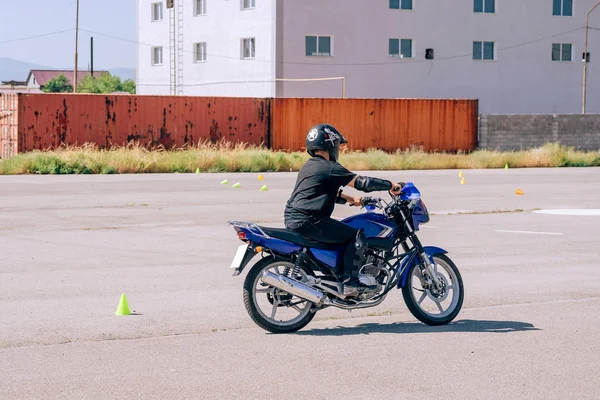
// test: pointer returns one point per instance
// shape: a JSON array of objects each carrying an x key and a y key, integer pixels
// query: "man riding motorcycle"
[{"x": 317, "y": 190}]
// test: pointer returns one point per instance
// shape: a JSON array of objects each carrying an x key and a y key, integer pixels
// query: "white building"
[{"x": 515, "y": 56}]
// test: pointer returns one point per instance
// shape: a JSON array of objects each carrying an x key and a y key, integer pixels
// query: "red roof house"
[{"x": 39, "y": 77}]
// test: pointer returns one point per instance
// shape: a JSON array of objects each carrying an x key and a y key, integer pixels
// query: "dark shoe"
[{"x": 353, "y": 286}]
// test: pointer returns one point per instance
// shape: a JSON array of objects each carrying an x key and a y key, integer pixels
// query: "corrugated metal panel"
[
  {"x": 387, "y": 124},
  {"x": 47, "y": 120},
  {"x": 9, "y": 121}
]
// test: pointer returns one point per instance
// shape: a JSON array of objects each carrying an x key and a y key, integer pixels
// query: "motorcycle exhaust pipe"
[{"x": 294, "y": 287}]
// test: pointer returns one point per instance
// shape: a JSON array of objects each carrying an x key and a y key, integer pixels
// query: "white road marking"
[
  {"x": 478, "y": 198},
  {"x": 530, "y": 232},
  {"x": 428, "y": 226},
  {"x": 571, "y": 211}
]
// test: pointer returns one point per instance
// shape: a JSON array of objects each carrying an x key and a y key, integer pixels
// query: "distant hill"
[
  {"x": 11, "y": 69},
  {"x": 16, "y": 70},
  {"x": 123, "y": 73}
]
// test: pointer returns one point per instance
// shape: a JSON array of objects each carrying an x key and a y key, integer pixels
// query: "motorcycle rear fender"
[
  {"x": 273, "y": 244},
  {"x": 409, "y": 261},
  {"x": 248, "y": 255}
]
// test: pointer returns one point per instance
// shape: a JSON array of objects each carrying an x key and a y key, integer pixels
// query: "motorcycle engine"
[{"x": 368, "y": 275}]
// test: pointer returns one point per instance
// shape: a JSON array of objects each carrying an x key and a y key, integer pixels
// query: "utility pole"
[
  {"x": 92, "y": 55},
  {"x": 585, "y": 58},
  {"x": 76, "y": 45}
]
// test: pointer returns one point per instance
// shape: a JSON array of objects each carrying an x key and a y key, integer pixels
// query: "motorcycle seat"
[{"x": 293, "y": 237}]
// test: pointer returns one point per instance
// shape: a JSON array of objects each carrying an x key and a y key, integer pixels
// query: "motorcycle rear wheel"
[
  {"x": 453, "y": 282},
  {"x": 277, "y": 298}
]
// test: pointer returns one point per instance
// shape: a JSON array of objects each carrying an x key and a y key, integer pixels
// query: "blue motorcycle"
[{"x": 297, "y": 276}]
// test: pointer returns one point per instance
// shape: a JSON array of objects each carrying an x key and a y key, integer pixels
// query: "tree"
[
  {"x": 129, "y": 86},
  {"x": 60, "y": 84},
  {"x": 105, "y": 83}
]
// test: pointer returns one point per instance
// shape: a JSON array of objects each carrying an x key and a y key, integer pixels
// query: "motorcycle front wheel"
[
  {"x": 273, "y": 309},
  {"x": 435, "y": 307}
]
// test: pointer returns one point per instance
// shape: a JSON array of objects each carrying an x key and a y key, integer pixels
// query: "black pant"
[{"x": 329, "y": 230}]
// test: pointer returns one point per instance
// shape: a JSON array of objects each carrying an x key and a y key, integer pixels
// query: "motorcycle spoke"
[
  {"x": 275, "y": 305},
  {"x": 439, "y": 306},
  {"x": 295, "y": 307},
  {"x": 422, "y": 298},
  {"x": 278, "y": 306}
]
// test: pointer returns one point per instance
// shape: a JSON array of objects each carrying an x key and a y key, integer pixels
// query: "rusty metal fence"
[
  {"x": 45, "y": 121},
  {"x": 387, "y": 124},
  {"x": 9, "y": 121}
]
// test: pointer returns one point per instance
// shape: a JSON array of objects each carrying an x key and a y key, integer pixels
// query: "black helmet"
[{"x": 324, "y": 137}]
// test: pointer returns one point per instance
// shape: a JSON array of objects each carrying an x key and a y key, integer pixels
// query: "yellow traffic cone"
[
  {"x": 260, "y": 177},
  {"x": 264, "y": 188},
  {"x": 519, "y": 192},
  {"x": 462, "y": 181},
  {"x": 506, "y": 166},
  {"x": 236, "y": 185},
  {"x": 197, "y": 170},
  {"x": 460, "y": 174},
  {"x": 123, "y": 308},
  {"x": 224, "y": 182}
]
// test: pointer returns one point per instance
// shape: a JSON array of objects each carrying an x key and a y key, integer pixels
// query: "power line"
[
  {"x": 216, "y": 83},
  {"x": 36, "y": 36},
  {"x": 405, "y": 61}
]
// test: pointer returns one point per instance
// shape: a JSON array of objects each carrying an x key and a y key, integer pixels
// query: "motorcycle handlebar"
[{"x": 365, "y": 201}]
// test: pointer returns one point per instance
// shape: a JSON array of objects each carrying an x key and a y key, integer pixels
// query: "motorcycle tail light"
[{"x": 241, "y": 235}]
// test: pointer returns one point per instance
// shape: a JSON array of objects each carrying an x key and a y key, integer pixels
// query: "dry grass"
[{"x": 225, "y": 157}]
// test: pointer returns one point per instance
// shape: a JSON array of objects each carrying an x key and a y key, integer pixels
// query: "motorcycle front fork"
[{"x": 429, "y": 278}]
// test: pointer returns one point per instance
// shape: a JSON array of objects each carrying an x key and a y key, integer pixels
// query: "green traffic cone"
[
  {"x": 264, "y": 188},
  {"x": 224, "y": 182},
  {"x": 237, "y": 185},
  {"x": 123, "y": 308}
]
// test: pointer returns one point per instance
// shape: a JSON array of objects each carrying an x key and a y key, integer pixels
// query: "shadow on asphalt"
[{"x": 465, "y": 325}]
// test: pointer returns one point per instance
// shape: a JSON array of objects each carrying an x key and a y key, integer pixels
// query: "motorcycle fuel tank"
[{"x": 380, "y": 231}]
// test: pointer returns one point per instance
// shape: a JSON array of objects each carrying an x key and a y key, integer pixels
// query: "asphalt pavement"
[{"x": 71, "y": 245}]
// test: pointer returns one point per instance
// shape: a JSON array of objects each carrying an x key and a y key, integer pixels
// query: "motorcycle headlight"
[{"x": 420, "y": 214}]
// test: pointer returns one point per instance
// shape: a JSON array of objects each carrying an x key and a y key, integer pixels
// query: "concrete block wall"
[{"x": 516, "y": 132}]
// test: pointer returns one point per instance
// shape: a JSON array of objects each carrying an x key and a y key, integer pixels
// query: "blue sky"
[{"x": 23, "y": 18}]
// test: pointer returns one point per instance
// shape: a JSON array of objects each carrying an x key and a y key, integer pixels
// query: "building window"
[
  {"x": 318, "y": 45},
  {"x": 157, "y": 56},
  {"x": 200, "y": 7},
  {"x": 483, "y": 51},
  {"x": 400, "y": 48},
  {"x": 157, "y": 14},
  {"x": 562, "y": 7},
  {"x": 484, "y": 6},
  {"x": 248, "y": 48},
  {"x": 199, "y": 52},
  {"x": 562, "y": 52},
  {"x": 401, "y": 4},
  {"x": 248, "y": 4}
]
